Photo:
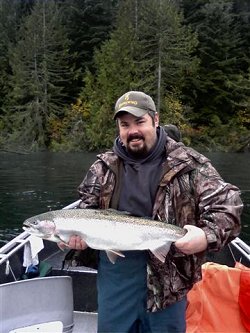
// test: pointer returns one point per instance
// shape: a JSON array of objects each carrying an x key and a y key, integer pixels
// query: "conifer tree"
[
  {"x": 40, "y": 65},
  {"x": 149, "y": 50},
  {"x": 222, "y": 88},
  {"x": 9, "y": 19},
  {"x": 165, "y": 49},
  {"x": 88, "y": 25}
]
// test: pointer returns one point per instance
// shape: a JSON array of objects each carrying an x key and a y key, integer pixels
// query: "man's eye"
[{"x": 124, "y": 125}]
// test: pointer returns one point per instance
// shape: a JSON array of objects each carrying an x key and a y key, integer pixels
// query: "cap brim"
[{"x": 132, "y": 110}]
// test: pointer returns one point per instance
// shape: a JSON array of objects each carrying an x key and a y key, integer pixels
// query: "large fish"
[{"x": 108, "y": 230}]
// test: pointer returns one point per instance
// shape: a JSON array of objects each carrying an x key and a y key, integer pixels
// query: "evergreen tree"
[
  {"x": 9, "y": 21},
  {"x": 241, "y": 9},
  {"x": 222, "y": 88},
  {"x": 88, "y": 25},
  {"x": 149, "y": 50},
  {"x": 165, "y": 49},
  {"x": 40, "y": 65}
]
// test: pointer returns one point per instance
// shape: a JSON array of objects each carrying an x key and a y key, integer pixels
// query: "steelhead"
[{"x": 109, "y": 230}]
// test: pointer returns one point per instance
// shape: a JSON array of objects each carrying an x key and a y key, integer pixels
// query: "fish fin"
[
  {"x": 161, "y": 251},
  {"x": 60, "y": 242},
  {"x": 112, "y": 255},
  {"x": 62, "y": 246}
]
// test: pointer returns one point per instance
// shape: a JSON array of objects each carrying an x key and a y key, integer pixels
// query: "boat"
[{"x": 53, "y": 296}]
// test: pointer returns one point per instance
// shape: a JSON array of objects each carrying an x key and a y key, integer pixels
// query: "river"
[{"x": 34, "y": 183}]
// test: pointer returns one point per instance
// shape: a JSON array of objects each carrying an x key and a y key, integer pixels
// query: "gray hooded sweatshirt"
[{"x": 140, "y": 177}]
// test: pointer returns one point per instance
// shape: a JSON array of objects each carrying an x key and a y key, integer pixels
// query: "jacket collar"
[{"x": 179, "y": 159}]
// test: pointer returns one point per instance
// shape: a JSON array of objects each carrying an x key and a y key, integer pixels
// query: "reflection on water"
[{"x": 35, "y": 183}]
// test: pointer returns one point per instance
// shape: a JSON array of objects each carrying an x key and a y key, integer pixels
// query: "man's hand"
[
  {"x": 75, "y": 242},
  {"x": 193, "y": 242}
]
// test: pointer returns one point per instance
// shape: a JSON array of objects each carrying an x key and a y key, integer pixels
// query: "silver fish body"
[{"x": 108, "y": 230}]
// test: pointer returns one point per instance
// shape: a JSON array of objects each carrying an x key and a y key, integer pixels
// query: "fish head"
[{"x": 41, "y": 228}]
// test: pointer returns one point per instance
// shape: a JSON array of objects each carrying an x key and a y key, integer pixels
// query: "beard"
[{"x": 140, "y": 151}]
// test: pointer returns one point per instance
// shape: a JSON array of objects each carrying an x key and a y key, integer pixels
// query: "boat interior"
[{"x": 60, "y": 294}]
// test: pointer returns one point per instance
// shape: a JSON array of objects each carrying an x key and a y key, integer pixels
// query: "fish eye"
[{"x": 36, "y": 222}]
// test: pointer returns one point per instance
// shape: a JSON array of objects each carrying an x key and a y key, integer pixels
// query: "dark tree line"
[{"x": 63, "y": 64}]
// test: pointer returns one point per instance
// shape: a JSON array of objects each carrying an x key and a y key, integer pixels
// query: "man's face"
[{"x": 138, "y": 134}]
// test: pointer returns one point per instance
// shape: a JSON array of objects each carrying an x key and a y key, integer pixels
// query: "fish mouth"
[{"x": 26, "y": 226}]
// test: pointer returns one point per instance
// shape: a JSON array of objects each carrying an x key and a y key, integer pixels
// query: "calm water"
[{"x": 35, "y": 183}]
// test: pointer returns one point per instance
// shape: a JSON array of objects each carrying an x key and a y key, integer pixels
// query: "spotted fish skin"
[{"x": 108, "y": 230}]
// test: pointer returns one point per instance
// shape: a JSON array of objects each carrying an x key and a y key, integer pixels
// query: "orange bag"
[
  {"x": 244, "y": 295},
  {"x": 221, "y": 301}
]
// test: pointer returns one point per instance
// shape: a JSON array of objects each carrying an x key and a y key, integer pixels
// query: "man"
[{"x": 148, "y": 174}]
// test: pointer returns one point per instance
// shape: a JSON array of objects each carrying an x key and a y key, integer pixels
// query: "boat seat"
[{"x": 37, "y": 301}]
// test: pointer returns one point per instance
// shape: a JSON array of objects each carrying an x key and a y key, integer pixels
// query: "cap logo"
[
  {"x": 136, "y": 103},
  {"x": 126, "y": 97},
  {"x": 127, "y": 101}
]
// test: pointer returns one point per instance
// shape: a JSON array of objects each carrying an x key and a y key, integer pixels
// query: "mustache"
[{"x": 135, "y": 136}]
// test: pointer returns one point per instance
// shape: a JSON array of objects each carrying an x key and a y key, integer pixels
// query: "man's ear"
[{"x": 156, "y": 119}]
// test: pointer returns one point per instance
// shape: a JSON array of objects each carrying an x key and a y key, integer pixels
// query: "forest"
[{"x": 63, "y": 64}]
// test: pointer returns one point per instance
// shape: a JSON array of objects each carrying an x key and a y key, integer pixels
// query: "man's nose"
[{"x": 133, "y": 128}]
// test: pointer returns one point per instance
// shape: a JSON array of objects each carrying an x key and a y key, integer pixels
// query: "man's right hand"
[{"x": 75, "y": 243}]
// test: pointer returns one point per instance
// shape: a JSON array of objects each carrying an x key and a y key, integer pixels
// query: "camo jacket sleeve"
[
  {"x": 196, "y": 194},
  {"x": 219, "y": 206},
  {"x": 89, "y": 189},
  {"x": 97, "y": 187}
]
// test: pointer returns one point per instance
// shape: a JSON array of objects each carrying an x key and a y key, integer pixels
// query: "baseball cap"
[{"x": 136, "y": 103}]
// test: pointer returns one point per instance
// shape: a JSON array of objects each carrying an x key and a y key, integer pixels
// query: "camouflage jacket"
[{"x": 190, "y": 192}]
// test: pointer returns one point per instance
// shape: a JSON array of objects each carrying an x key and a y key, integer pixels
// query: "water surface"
[{"x": 34, "y": 183}]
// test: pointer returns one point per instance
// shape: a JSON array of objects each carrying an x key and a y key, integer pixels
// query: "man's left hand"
[{"x": 193, "y": 242}]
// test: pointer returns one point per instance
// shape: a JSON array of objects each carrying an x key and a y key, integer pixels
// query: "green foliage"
[
  {"x": 175, "y": 112},
  {"x": 69, "y": 134},
  {"x": 221, "y": 137},
  {"x": 222, "y": 84},
  {"x": 10, "y": 16},
  {"x": 149, "y": 50},
  {"x": 40, "y": 66},
  {"x": 63, "y": 64},
  {"x": 88, "y": 25}
]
